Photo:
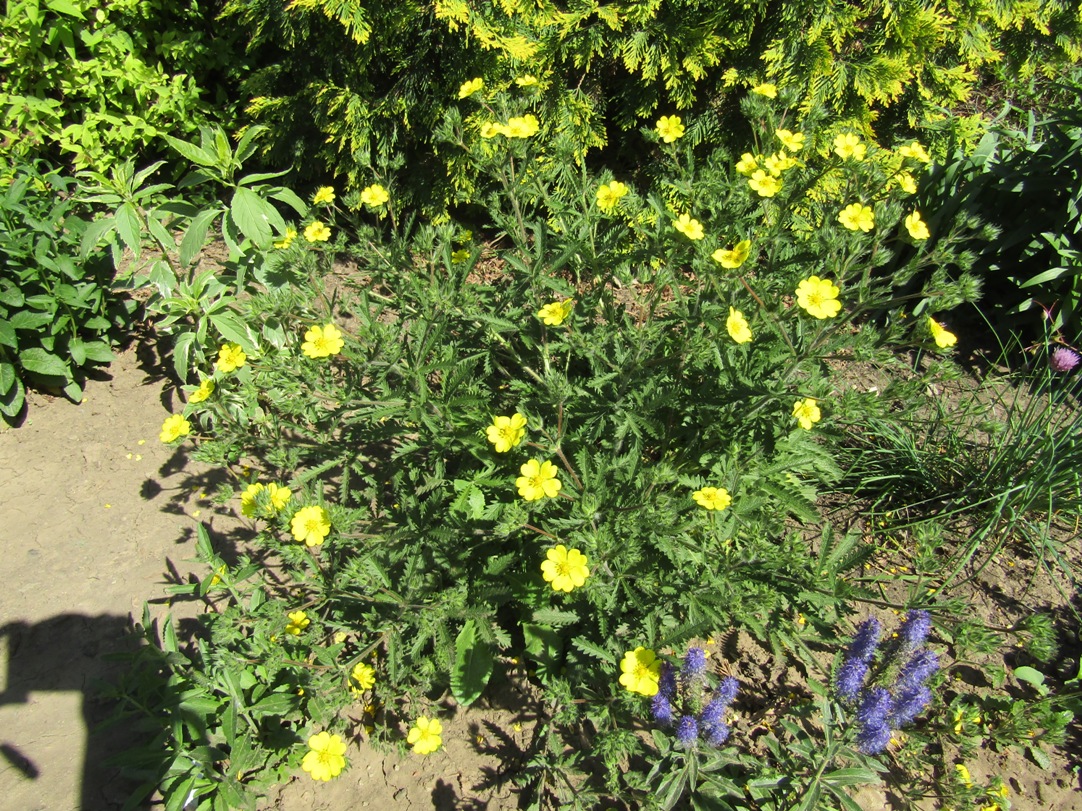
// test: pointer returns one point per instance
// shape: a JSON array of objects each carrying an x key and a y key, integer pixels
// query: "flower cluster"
[
  {"x": 896, "y": 693},
  {"x": 686, "y": 700},
  {"x": 519, "y": 127},
  {"x": 1063, "y": 359},
  {"x": 277, "y": 498}
]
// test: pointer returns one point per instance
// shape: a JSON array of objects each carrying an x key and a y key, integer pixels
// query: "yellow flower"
[
  {"x": 362, "y": 677},
  {"x": 734, "y": 258},
  {"x": 765, "y": 184},
  {"x": 322, "y": 342},
  {"x": 691, "y": 228},
  {"x": 564, "y": 568},
  {"x": 943, "y": 337},
  {"x": 490, "y": 129},
  {"x": 317, "y": 232},
  {"x": 738, "y": 327},
  {"x": 469, "y": 88},
  {"x": 807, "y": 413},
  {"x": 538, "y": 480},
  {"x": 287, "y": 239},
  {"x": 917, "y": 228},
  {"x": 279, "y": 496},
  {"x": 747, "y": 164},
  {"x": 609, "y": 194},
  {"x": 248, "y": 499},
  {"x": 849, "y": 145},
  {"x": 556, "y": 312},
  {"x": 425, "y": 735},
  {"x": 324, "y": 759},
  {"x": 526, "y": 81},
  {"x": 819, "y": 297},
  {"x": 778, "y": 163},
  {"x": 906, "y": 182},
  {"x": 793, "y": 141},
  {"x": 230, "y": 358},
  {"x": 374, "y": 196},
  {"x": 640, "y": 671},
  {"x": 713, "y": 498},
  {"x": 915, "y": 151},
  {"x": 522, "y": 127},
  {"x": 670, "y": 128},
  {"x": 857, "y": 217},
  {"x": 766, "y": 89},
  {"x": 174, "y": 428},
  {"x": 298, "y": 621},
  {"x": 506, "y": 432},
  {"x": 963, "y": 772},
  {"x": 324, "y": 194},
  {"x": 206, "y": 388},
  {"x": 310, "y": 525}
]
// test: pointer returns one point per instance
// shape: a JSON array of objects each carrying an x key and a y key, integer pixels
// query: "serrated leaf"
[
  {"x": 37, "y": 360},
  {"x": 473, "y": 665},
  {"x": 554, "y": 616},
  {"x": 252, "y": 215}
]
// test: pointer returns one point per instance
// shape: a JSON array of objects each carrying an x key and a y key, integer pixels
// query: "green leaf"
[
  {"x": 274, "y": 704},
  {"x": 473, "y": 665},
  {"x": 1030, "y": 676},
  {"x": 129, "y": 227},
  {"x": 554, "y": 616},
  {"x": 591, "y": 649},
  {"x": 850, "y": 777},
  {"x": 235, "y": 330},
  {"x": 7, "y": 334},
  {"x": 40, "y": 362},
  {"x": 196, "y": 236},
  {"x": 192, "y": 152},
  {"x": 11, "y": 401},
  {"x": 252, "y": 215}
]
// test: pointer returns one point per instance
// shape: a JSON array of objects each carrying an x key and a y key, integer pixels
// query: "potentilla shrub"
[{"x": 600, "y": 433}]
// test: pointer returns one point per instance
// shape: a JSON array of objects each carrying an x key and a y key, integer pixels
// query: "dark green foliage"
[{"x": 56, "y": 308}]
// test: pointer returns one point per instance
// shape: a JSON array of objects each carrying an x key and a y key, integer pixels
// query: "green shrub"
[
  {"x": 56, "y": 306},
  {"x": 346, "y": 87},
  {"x": 96, "y": 82},
  {"x": 674, "y": 372}
]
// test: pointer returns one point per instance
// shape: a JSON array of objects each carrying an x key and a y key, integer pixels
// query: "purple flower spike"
[
  {"x": 694, "y": 663},
  {"x": 865, "y": 640},
  {"x": 1063, "y": 359},
  {"x": 661, "y": 709},
  {"x": 916, "y": 671},
  {"x": 718, "y": 734},
  {"x": 908, "y": 705},
  {"x": 873, "y": 716},
  {"x": 667, "y": 682},
  {"x": 914, "y": 629},
  {"x": 726, "y": 691},
  {"x": 687, "y": 730},
  {"x": 850, "y": 680}
]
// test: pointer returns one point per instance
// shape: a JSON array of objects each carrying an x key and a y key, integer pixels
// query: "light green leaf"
[{"x": 473, "y": 665}]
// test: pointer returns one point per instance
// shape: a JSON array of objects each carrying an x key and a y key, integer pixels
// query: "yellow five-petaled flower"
[
  {"x": 469, "y": 88},
  {"x": 298, "y": 621},
  {"x": 556, "y": 312},
  {"x": 206, "y": 388},
  {"x": 766, "y": 89},
  {"x": 764, "y": 183},
  {"x": 310, "y": 525},
  {"x": 322, "y": 342},
  {"x": 609, "y": 194},
  {"x": 640, "y": 671},
  {"x": 565, "y": 569},
  {"x": 323, "y": 195},
  {"x": 735, "y": 257},
  {"x": 324, "y": 759},
  {"x": 506, "y": 433},
  {"x": 793, "y": 141},
  {"x": 713, "y": 498},
  {"x": 807, "y": 413},
  {"x": 670, "y": 128},
  {"x": 688, "y": 226},
  {"x": 857, "y": 217},
  {"x": 362, "y": 677},
  {"x": 737, "y": 326},
  {"x": 819, "y": 297},
  {"x": 317, "y": 232},
  {"x": 849, "y": 145},
  {"x": 374, "y": 196},
  {"x": 917, "y": 228},
  {"x": 174, "y": 428},
  {"x": 538, "y": 480},
  {"x": 943, "y": 337},
  {"x": 230, "y": 358},
  {"x": 425, "y": 735}
]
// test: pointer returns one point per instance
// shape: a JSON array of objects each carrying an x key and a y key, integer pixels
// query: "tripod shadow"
[{"x": 65, "y": 653}]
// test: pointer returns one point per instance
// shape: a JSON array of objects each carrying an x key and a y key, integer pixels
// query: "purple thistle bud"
[
  {"x": 1063, "y": 359},
  {"x": 908, "y": 705},
  {"x": 661, "y": 709},
  {"x": 917, "y": 670},
  {"x": 865, "y": 641},
  {"x": 850, "y": 680},
  {"x": 694, "y": 663},
  {"x": 718, "y": 734},
  {"x": 872, "y": 716},
  {"x": 687, "y": 730},
  {"x": 914, "y": 629}
]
